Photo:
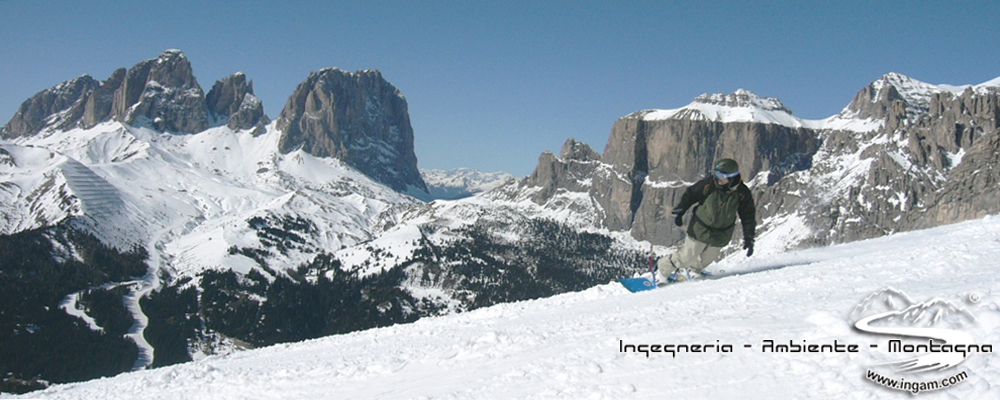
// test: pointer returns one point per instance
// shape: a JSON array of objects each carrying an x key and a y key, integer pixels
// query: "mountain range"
[{"x": 222, "y": 229}]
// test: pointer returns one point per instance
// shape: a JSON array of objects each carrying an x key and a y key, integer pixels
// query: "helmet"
[
  {"x": 727, "y": 169},
  {"x": 727, "y": 166}
]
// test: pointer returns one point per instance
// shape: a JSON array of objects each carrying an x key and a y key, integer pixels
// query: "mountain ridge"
[{"x": 163, "y": 94}]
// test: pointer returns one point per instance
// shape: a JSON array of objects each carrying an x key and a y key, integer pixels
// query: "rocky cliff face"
[
  {"x": 927, "y": 165},
  {"x": 84, "y": 101},
  {"x": 902, "y": 155},
  {"x": 356, "y": 117},
  {"x": 232, "y": 100},
  {"x": 972, "y": 190},
  {"x": 569, "y": 172},
  {"x": 960, "y": 135},
  {"x": 164, "y": 94},
  {"x": 160, "y": 93},
  {"x": 660, "y": 157},
  {"x": 651, "y": 156}
]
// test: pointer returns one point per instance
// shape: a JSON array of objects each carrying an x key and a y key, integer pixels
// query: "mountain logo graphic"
[{"x": 891, "y": 312}]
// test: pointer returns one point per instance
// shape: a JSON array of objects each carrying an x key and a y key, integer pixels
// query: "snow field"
[{"x": 569, "y": 346}]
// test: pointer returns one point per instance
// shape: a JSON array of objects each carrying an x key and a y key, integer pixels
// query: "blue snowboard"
[{"x": 638, "y": 284}]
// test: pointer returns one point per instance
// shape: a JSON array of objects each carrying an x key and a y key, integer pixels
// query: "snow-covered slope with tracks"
[{"x": 587, "y": 344}]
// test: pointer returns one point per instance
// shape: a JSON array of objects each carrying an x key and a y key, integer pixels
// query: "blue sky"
[{"x": 490, "y": 85}]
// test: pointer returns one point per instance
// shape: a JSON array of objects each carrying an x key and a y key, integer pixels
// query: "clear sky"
[{"x": 490, "y": 85}]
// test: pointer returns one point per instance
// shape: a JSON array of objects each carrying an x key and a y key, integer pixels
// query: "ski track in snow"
[
  {"x": 137, "y": 331},
  {"x": 71, "y": 305},
  {"x": 568, "y": 346}
]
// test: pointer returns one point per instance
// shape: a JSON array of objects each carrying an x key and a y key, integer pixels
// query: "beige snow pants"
[{"x": 693, "y": 255}]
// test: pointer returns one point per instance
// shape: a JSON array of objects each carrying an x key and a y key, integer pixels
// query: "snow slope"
[
  {"x": 188, "y": 198},
  {"x": 570, "y": 346}
]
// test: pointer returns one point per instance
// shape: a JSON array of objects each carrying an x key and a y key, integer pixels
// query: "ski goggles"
[{"x": 722, "y": 176}]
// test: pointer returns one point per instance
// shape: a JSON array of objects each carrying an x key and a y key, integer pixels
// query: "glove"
[
  {"x": 748, "y": 246},
  {"x": 678, "y": 216}
]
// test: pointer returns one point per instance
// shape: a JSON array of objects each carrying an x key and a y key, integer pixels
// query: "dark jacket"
[{"x": 715, "y": 210}]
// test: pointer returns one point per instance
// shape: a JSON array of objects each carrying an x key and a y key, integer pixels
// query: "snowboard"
[
  {"x": 638, "y": 284},
  {"x": 643, "y": 283}
]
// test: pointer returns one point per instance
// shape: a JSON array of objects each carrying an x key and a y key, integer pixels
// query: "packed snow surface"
[{"x": 571, "y": 346}]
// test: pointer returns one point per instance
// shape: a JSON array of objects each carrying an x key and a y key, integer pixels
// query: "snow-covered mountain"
[
  {"x": 740, "y": 106},
  {"x": 598, "y": 343},
  {"x": 240, "y": 234},
  {"x": 461, "y": 182},
  {"x": 207, "y": 185}
]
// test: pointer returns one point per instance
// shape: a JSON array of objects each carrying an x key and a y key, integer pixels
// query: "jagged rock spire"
[{"x": 357, "y": 117}]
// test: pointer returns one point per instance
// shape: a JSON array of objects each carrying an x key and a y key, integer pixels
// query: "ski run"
[{"x": 776, "y": 327}]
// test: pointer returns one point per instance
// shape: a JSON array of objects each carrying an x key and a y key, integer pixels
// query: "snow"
[
  {"x": 955, "y": 158},
  {"x": 194, "y": 192},
  {"x": 995, "y": 82},
  {"x": 725, "y": 113},
  {"x": 187, "y": 199},
  {"x": 23, "y": 207},
  {"x": 395, "y": 246},
  {"x": 980, "y": 88},
  {"x": 571, "y": 346},
  {"x": 757, "y": 111}
]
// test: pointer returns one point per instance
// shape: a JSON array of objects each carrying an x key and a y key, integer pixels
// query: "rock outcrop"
[
  {"x": 971, "y": 191},
  {"x": 62, "y": 107},
  {"x": 356, "y": 117},
  {"x": 160, "y": 93},
  {"x": 232, "y": 100},
  {"x": 570, "y": 171}
]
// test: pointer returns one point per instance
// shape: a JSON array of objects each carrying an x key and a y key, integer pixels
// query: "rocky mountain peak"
[
  {"x": 61, "y": 106},
  {"x": 578, "y": 151},
  {"x": 172, "y": 69},
  {"x": 232, "y": 101},
  {"x": 162, "y": 93},
  {"x": 357, "y": 117},
  {"x": 894, "y": 96}
]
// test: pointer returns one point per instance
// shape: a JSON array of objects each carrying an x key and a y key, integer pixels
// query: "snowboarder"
[{"x": 718, "y": 200}]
